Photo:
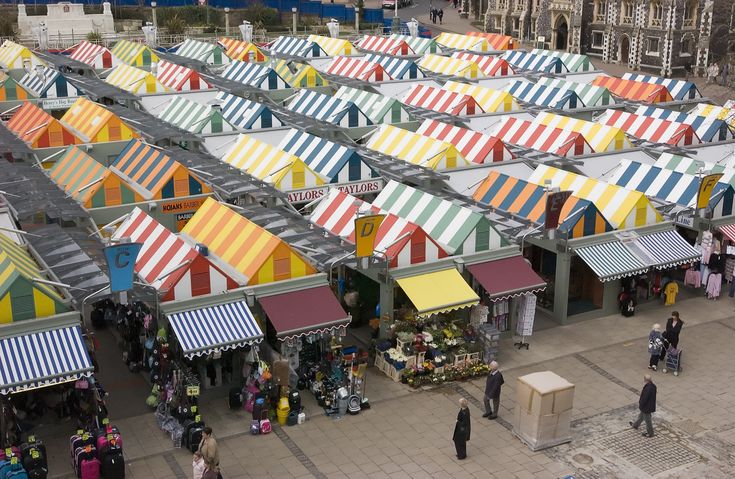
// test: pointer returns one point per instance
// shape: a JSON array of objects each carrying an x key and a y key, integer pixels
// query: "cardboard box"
[{"x": 543, "y": 410}]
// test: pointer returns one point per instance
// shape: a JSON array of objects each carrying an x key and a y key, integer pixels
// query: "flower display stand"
[
  {"x": 379, "y": 360},
  {"x": 459, "y": 359},
  {"x": 473, "y": 357}
]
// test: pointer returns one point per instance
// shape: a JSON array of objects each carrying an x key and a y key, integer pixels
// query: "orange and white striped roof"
[{"x": 474, "y": 146}]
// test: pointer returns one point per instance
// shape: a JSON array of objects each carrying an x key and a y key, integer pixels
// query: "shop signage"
[
  {"x": 355, "y": 188},
  {"x": 120, "y": 263},
  {"x": 182, "y": 219},
  {"x": 179, "y": 206},
  {"x": 685, "y": 221},
  {"x": 192, "y": 390},
  {"x": 58, "y": 103}
]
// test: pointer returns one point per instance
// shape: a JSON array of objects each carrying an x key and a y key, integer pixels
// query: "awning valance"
[
  {"x": 215, "y": 328},
  {"x": 43, "y": 358},
  {"x": 308, "y": 311},
  {"x": 438, "y": 292},
  {"x": 507, "y": 277}
]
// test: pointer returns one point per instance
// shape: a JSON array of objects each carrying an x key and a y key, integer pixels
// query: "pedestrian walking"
[
  {"x": 432, "y": 14},
  {"x": 441, "y": 15},
  {"x": 208, "y": 447},
  {"x": 725, "y": 72},
  {"x": 712, "y": 73},
  {"x": 673, "y": 328},
  {"x": 462, "y": 429},
  {"x": 646, "y": 406},
  {"x": 455, "y": 3},
  {"x": 492, "y": 391},
  {"x": 655, "y": 345}
]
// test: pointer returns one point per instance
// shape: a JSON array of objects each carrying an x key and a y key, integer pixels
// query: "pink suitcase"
[
  {"x": 90, "y": 469},
  {"x": 103, "y": 442}
]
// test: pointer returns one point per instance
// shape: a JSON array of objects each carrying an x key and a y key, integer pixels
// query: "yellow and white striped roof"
[
  {"x": 415, "y": 148},
  {"x": 715, "y": 112},
  {"x": 489, "y": 100},
  {"x": 600, "y": 137},
  {"x": 622, "y": 207},
  {"x": 135, "y": 80},
  {"x": 333, "y": 46},
  {"x": 12, "y": 55},
  {"x": 450, "y": 66},
  {"x": 457, "y": 41}
]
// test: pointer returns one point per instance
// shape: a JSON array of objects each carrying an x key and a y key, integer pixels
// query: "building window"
[
  {"x": 652, "y": 46},
  {"x": 516, "y": 24},
  {"x": 535, "y": 6},
  {"x": 690, "y": 14},
  {"x": 600, "y": 11},
  {"x": 502, "y": 4},
  {"x": 628, "y": 11},
  {"x": 656, "y": 13},
  {"x": 687, "y": 46},
  {"x": 597, "y": 39},
  {"x": 520, "y": 5}
]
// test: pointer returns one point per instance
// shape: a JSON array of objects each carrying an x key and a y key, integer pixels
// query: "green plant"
[
  {"x": 259, "y": 13},
  {"x": 6, "y": 28},
  {"x": 94, "y": 37},
  {"x": 176, "y": 25}
]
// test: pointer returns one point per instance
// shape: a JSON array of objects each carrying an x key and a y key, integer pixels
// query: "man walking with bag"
[
  {"x": 646, "y": 405},
  {"x": 492, "y": 391}
]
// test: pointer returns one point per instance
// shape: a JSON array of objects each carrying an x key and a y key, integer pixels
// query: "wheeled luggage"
[{"x": 113, "y": 465}]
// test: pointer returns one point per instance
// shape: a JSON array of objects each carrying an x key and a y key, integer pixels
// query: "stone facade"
[
  {"x": 65, "y": 18},
  {"x": 660, "y": 36}
]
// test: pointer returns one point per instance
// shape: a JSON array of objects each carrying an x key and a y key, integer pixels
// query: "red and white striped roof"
[
  {"x": 168, "y": 263},
  {"x": 490, "y": 65},
  {"x": 474, "y": 146},
  {"x": 358, "y": 69},
  {"x": 651, "y": 129},
  {"x": 385, "y": 45},
  {"x": 180, "y": 78},
  {"x": 96, "y": 56},
  {"x": 405, "y": 243},
  {"x": 444, "y": 101},
  {"x": 540, "y": 137}
]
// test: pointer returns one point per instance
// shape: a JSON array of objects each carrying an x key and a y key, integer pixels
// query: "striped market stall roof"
[
  {"x": 450, "y": 66},
  {"x": 707, "y": 129},
  {"x": 457, "y": 41},
  {"x": 296, "y": 47},
  {"x": 154, "y": 175},
  {"x": 13, "y": 56},
  {"x": 522, "y": 60},
  {"x": 245, "y": 114},
  {"x": 578, "y": 217},
  {"x": 650, "y": 129},
  {"x": 542, "y": 95},
  {"x": 684, "y": 164},
  {"x": 268, "y": 163},
  {"x": 679, "y": 89},
  {"x": 89, "y": 182},
  {"x": 93, "y": 123},
  {"x": 180, "y": 78},
  {"x": 21, "y": 297},
  {"x": 622, "y": 207},
  {"x": 333, "y": 46},
  {"x": 474, "y": 146},
  {"x": 379, "y": 108},
  {"x": 134, "y": 54},
  {"x": 384, "y": 45},
  {"x": 415, "y": 148},
  {"x": 713, "y": 111},
  {"x": 39, "y": 129},
  {"x": 255, "y": 75},
  {"x": 611, "y": 260},
  {"x": 537, "y": 136},
  {"x": 397, "y": 68},
  {"x": 497, "y": 42},
  {"x": 195, "y": 117},
  {"x": 419, "y": 45},
  {"x": 168, "y": 263},
  {"x": 252, "y": 253},
  {"x": 590, "y": 95},
  {"x": 97, "y": 56},
  {"x": 457, "y": 229},
  {"x": 334, "y": 162},
  {"x": 45, "y": 82},
  {"x": 444, "y": 101},
  {"x": 491, "y": 101},
  {"x": 729, "y": 104},
  {"x": 634, "y": 90},
  {"x": 135, "y": 80},
  {"x": 403, "y": 243},
  {"x": 573, "y": 61},
  {"x": 10, "y": 90},
  {"x": 672, "y": 186},
  {"x": 358, "y": 69},
  {"x": 489, "y": 65},
  {"x": 328, "y": 109},
  {"x": 205, "y": 52},
  {"x": 242, "y": 51},
  {"x": 299, "y": 75},
  {"x": 600, "y": 137}
]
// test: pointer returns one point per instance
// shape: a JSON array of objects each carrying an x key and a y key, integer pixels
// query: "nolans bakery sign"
[{"x": 355, "y": 188}]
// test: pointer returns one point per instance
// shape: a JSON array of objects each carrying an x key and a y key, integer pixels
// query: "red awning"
[
  {"x": 308, "y": 311},
  {"x": 507, "y": 277},
  {"x": 728, "y": 231}
]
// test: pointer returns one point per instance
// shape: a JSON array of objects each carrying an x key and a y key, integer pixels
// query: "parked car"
[{"x": 392, "y": 3}]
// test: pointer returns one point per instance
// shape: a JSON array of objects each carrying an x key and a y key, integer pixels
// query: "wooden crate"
[
  {"x": 379, "y": 360},
  {"x": 459, "y": 359},
  {"x": 473, "y": 357},
  {"x": 395, "y": 374}
]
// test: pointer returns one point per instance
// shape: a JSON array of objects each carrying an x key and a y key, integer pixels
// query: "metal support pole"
[{"x": 227, "y": 21}]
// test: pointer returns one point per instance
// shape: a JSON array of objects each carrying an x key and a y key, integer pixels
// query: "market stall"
[
  {"x": 180, "y": 78},
  {"x": 476, "y": 147},
  {"x": 397, "y": 68},
  {"x": 255, "y": 75},
  {"x": 45, "y": 82},
  {"x": 299, "y": 75},
  {"x": 522, "y": 60},
  {"x": 457, "y": 41},
  {"x": 646, "y": 128},
  {"x": 328, "y": 109},
  {"x": 196, "y": 117},
  {"x": 211, "y": 54},
  {"x": 14, "y": 56},
  {"x": 296, "y": 47},
  {"x": 419, "y": 45},
  {"x": 378, "y": 108},
  {"x": 358, "y": 69},
  {"x": 451, "y": 66},
  {"x": 634, "y": 90},
  {"x": 573, "y": 61},
  {"x": 135, "y": 80},
  {"x": 491, "y": 101},
  {"x": 39, "y": 129},
  {"x": 679, "y": 89},
  {"x": 489, "y": 65},
  {"x": 10, "y": 90},
  {"x": 707, "y": 129},
  {"x": 95, "y": 55},
  {"x": 246, "y": 114},
  {"x": 589, "y": 94},
  {"x": 442, "y": 101},
  {"x": 332, "y": 46},
  {"x": 242, "y": 50},
  {"x": 545, "y": 96},
  {"x": 384, "y": 45},
  {"x": 134, "y": 53},
  {"x": 93, "y": 123},
  {"x": 539, "y": 137},
  {"x": 600, "y": 137}
]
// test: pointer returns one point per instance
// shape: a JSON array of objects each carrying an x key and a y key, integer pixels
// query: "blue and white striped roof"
[
  {"x": 329, "y": 109},
  {"x": 255, "y": 75},
  {"x": 542, "y": 95},
  {"x": 707, "y": 128},
  {"x": 42, "y": 358},
  {"x": 215, "y": 328},
  {"x": 246, "y": 114},
  {"x": 45, "y": 82},
  {"x": 338, "y": 163},
  {"x": 539, "y": 63},
  {"x": 297, "y": 47},
  {"x": 397, "y": 68},
  {"x": 679, "y": 89}
]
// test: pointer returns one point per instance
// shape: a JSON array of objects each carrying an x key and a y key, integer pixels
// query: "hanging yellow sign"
[
  {"x": 706, "y": 185},
  {"x": 366, "y": 229}
]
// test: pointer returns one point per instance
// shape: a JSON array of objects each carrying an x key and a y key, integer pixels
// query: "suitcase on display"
[
  {"x": 255, "y": 427},
  {"x": 104, "y": 442},
  {"x": 258, "y": 408},
  {"x": 38, "y": 473},
  {"x": 113, "y": 465},
  {"x": 26, "y": 450},
  {"x": 87, "y": 453},
  {"x": 194, "y": 437},
  {"x": 235, "y": 398},
  {"x": 80, "y": 440},
  {"x": 6, "y": 467},
  {"x": 19, "y": 473},
  {"x": 10, "y": 452},
  {"x": 89, "y": 469}
]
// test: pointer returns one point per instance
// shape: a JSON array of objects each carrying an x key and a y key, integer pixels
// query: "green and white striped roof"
[
  {"x": 195, "y": 117},
  {"x": 457, "y": 229},
  {"x": 591, "y": 95},
  {"x": 573, "y": 61},
  {"x": 684, "y": 164},
  {"x": 379, "y": 108},
  {"x": 205, "y": 52}
]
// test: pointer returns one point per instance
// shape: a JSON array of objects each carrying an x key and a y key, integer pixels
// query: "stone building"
[{"x": 661, "y": 36}]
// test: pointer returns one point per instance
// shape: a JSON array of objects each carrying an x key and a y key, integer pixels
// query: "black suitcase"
[
  {"x": 195, "y": 436},
  {"x": 98, "y": 319},
  {"x": 37, "y": 473},
  {"x": 235, "y": 398},
  {"x": 113, "y": 464},
  {"x": 26, "y": 451}
]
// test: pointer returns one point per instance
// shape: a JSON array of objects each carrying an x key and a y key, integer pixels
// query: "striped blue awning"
[
  {"x": 43, "y": 358},
  {"x": 612, "y": 260},
  {"x": 668, "y": 248},
  {"x": 215, "y": 328}
]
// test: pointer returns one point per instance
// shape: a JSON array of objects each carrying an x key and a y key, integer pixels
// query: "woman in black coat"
[
  {"x": 462, "y": 429},
  {"x": 673, "y": 328}
]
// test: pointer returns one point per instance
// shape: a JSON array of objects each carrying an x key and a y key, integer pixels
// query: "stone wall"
[{"x": 66, "y": 18}]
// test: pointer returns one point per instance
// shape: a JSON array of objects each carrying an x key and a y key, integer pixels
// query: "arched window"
[
  {"x": 628, "y": 12},
  {"x": 600, "y": 11},
  {"x": 690, "y": 14},
  {"x": 656, "y": 13}
]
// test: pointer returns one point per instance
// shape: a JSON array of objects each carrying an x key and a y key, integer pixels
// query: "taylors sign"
[{"x": 355, "y": 188}]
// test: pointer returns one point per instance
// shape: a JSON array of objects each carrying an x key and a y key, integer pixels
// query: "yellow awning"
[{"x": 437, "y": 292}]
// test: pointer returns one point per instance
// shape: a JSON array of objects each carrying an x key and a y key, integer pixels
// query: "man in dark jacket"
[
  {"x": 492, "y": 391},
  {"x": 646, "y": 405}
]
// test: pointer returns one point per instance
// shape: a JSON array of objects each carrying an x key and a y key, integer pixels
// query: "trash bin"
[
  {"x": 283, "y": 410},
  {"x": 342, "y": 400}
]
